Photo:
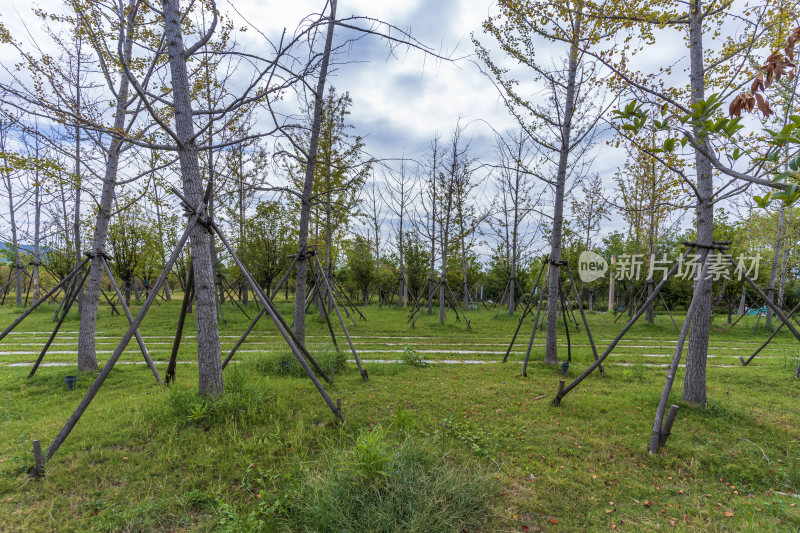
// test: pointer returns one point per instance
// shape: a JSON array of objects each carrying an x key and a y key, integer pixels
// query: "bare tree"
[
  {"x": 16, "y": 200},
  {"x": 513, "y": 205},
  {"x": 452, "y": 188},
  {"x": 374, "y": 215},
  {"x": 563, "y": 129},
  {"x": 400, "y": 197}
]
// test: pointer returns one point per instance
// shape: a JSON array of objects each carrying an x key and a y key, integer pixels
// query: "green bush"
[
  {"x": 244, "y": 401},
  {"x": 412, "y": 358},
  {"x": 379, "y": 487}
]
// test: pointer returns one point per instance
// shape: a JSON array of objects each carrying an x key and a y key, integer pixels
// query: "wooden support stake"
[
  {"x": 535, "y": 324},
  {"x": 41, "y": 300},
  {"x": 123, "y": 343},
  {"x": 583, "y": 317},
  {"x": 655, "y": 437},
  {"x": 297, "y": 348},
  {"x": 327, "y": 285},
  {"x": 127, "y": 311},
  {"x": 526, "y": 311},
  {"x": 188, "y": 293},
  {"x": 38, "y": 469},
  {"x": 72, "y": 297},
  {"x": 667, "y": 429}
]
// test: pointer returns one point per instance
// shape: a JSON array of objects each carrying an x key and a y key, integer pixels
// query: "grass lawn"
[{"x": 466, "y": 446}]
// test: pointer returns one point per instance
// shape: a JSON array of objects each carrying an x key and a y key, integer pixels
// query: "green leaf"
[{"x": 762, "y": 202}]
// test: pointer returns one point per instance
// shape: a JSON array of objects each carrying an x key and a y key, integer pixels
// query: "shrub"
[
  {"x": 383, "y": 488},
  {"x": 243, "y": 401},
  {"x": 412, "y": 358}
]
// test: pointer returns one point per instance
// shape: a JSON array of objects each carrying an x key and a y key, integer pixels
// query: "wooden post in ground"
[
  {"x": 139, "y": 339},
  {"x": 188, "y": 293},
  {"x": 655, "y": 438},
  {"x": 38, "y": 469}
]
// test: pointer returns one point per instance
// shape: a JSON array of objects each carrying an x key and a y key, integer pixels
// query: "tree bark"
[
  {"x": 208, "y": 348},
  {"x": 694, "y": 382},
  {"x": 16, "y": 269},
  {"x": 551, "y": 339},
  {"x": 37, "y": 221},
  {"x": 305, "y": 200},
  {"x": 611, "y": 285},
  {"x": 76, "y": 221},
  {"x": 160, "y": 223},
  {"x": 782, "y": 285},
  {"x": 776, "y": 256},
  {"x": 87, "y": 356}
]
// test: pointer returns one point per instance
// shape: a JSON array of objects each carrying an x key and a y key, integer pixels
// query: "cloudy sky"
[{"x": 402, "y": 98}]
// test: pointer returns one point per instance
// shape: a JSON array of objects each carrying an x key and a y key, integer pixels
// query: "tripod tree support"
[
  {"x": 280, "y": 323},
  {"x": 525, "y": 311},
  {"x": 139, "y": 339},
  {"x": 101, "y": 377},
  {"x": 778, "y": 311},
  {"x": 364, "y": 375},
  {"x": 71, "y": 297},
  {"x": 41, "y": 300},
  {"x": 583, "y": 317},
  {"x": 563, "y": 391},
  {"x": 261, "y": 313},
  {"x": 286, "y": 330},
  {"x": 774, "y": 333}
]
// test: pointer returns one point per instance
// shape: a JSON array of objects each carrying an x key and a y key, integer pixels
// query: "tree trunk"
[
  {"x": 76, "y": 221},
  {"x": 87, "y": 357},
  {"x": 651, "y": 309},
  {"x": 305, "y": 200},
  {"x": 443, "y": 265},
  {"x": 37, "y": 221},
  {"x": 245, "y": 288},
  {"x": 551, "y": 339},
  {"x": 208, "y": 348},
  {"x": 694, "y": 382},
  {"x": 512, "y": 301},
  {"x": 611, "y": 284},
  {"x": 782, "y": 285},
  {"x": 442, "y": 283},
  {"x": 775, "y": 265},
  {"x": 160, "y": 223}
]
